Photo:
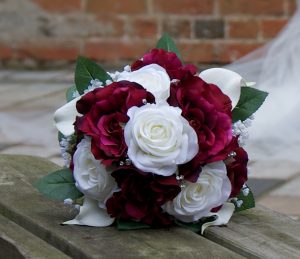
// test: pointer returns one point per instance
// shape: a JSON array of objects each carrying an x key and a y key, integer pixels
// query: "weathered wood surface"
[
  {"x": 16, "y": 242},
  {"x": 259, "y": 233},
  {"x": 21, "y": 203}
]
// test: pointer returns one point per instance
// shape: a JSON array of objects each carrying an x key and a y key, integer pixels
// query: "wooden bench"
[{"x": 30, "y": 228}]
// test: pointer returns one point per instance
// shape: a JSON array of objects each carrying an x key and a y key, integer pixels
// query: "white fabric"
[{"x": 274, "y": 143}]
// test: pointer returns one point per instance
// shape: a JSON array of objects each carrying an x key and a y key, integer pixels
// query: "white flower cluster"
[
  {"x": 64, "y": 149},
  {"x": 116, "y": 74},
  {"x": 240, "y": 129},
  {"x": 96, "y": 83},
  {"x": 245, "y": 191}
]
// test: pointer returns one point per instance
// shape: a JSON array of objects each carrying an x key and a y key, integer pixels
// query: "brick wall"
[{"x": 53, "y": 32}]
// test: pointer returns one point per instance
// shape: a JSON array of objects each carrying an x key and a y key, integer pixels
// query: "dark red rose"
[
  {"x": 141, "y": 196},
  {"x": 237, "y": 171},
  {"x": 104, "y": 115},
  {"x": 168, "y": 60},
  {"x": 208, "y": 111}
]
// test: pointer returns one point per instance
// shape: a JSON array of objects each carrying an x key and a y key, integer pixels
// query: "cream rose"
[
  {"x": 91, "y": 177},
  {"x": 159, "y": 138},
  {"x": 196, "y": 200},
  {"x": 153, "y": 78}
]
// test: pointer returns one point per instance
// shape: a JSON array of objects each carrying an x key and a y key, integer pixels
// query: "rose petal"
[
  {"x": 91, "y": 215},
  {"x": 228, "y": 81},
  {"x": 65, "y": 116}
]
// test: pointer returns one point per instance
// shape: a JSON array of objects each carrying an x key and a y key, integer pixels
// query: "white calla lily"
[
  {"x": 228, "y": 81},
  {"x": 91, "y": 214},
  {"x": 223, "y": 216},
  {"x": 65, "y": 116}
]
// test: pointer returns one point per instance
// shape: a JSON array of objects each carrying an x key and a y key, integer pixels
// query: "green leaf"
[
  {"x": 248, "y": 200},
  {"x": 87, "y": 70},
  {"x": 166, "y": 43},
  {"x": 58, "y": 185},
  {"x": 130, "y": 225},
  {"x": 60, "y": 136},
  {"x": 70, "y": 93},
  {"x": 196, "y": 226},
  {"x": 250, "y": 101}
]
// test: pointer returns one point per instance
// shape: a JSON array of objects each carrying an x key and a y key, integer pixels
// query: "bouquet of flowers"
[{"x": 154, "y": 145}]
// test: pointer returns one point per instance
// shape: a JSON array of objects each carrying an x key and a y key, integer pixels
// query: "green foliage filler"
[
  {"x": 58, "y": 185},
  {"x": 166, "y": 43},
  {"x": 250, "y": 101},
  {"x": 87, "y": 70}
]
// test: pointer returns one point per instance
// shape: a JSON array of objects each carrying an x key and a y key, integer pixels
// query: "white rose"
[
  {"x": 92, "y": 178},
  {"x": 159, "y": 138},
  {"x": 153, "y": 78},
  {"x": 196, "y": 200},
  {"x": 228, "y": 81}
]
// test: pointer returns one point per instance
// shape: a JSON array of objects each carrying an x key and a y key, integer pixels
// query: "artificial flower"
[
  {"x": 237, "y": 170},
  {"x": 208, "y": 111},
  {"x": 168, "y": 60},
  {"x": 141, "y": 196},
  {"x": 92, "y": 178},
  {"x": 153, "y": 78},
  {"x": 196, "y": 200},
  {"x": 159, "y": 138},
  {"x": 228, "y": 81},
  {"x": 104, "y": 113}
]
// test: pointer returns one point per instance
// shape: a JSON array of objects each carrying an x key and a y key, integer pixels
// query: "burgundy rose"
[
  {"x": 104, "y": 115},
  {"x": 208, "y": 111},
  {"x": 141, "y": 196},
  {"x": 168, "y": 60},
  {"x": 237, "y": 171}
]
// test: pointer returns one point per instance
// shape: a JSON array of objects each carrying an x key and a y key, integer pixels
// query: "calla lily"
[
  {"x": 65, "y": 116},
  {"x": 228, "y": 81},
  {"x": 223, "y": 216},
  {"x": 91, "y": 214}
]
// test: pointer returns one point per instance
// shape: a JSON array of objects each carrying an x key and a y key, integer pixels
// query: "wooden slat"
[
  {"x": 16, "y": 242},
  {"x": 21, "y": 203},
  {"x": 259, "y": 233}
]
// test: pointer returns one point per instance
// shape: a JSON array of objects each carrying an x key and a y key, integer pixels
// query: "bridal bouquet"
[{"x": 154, "y": 145}]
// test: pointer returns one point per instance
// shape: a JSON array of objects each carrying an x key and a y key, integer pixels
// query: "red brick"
[
  {"x": 197, "y": 52},
  {"x": 209, "y": 29},
  {"x": 229, "y": 52},
  {"x": 99, "y": 7},
  {"x": 195, "y": 7},
  {"x": 254, "y": 7},
  {"x": 270, "y": 28},
  {"x": 144, "y": 28},
  {"x": 115, "y": 51},
  {"x": 54, "y": 52},
  {"x": 5, "y": 52},
  {"x": 292, "y": 6},
  {"x": 59, "y": 5},
  {"x": 177, "y": 28},
  {"x": 243, "y": 29},
  {"x": 109, "y": 26}
]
